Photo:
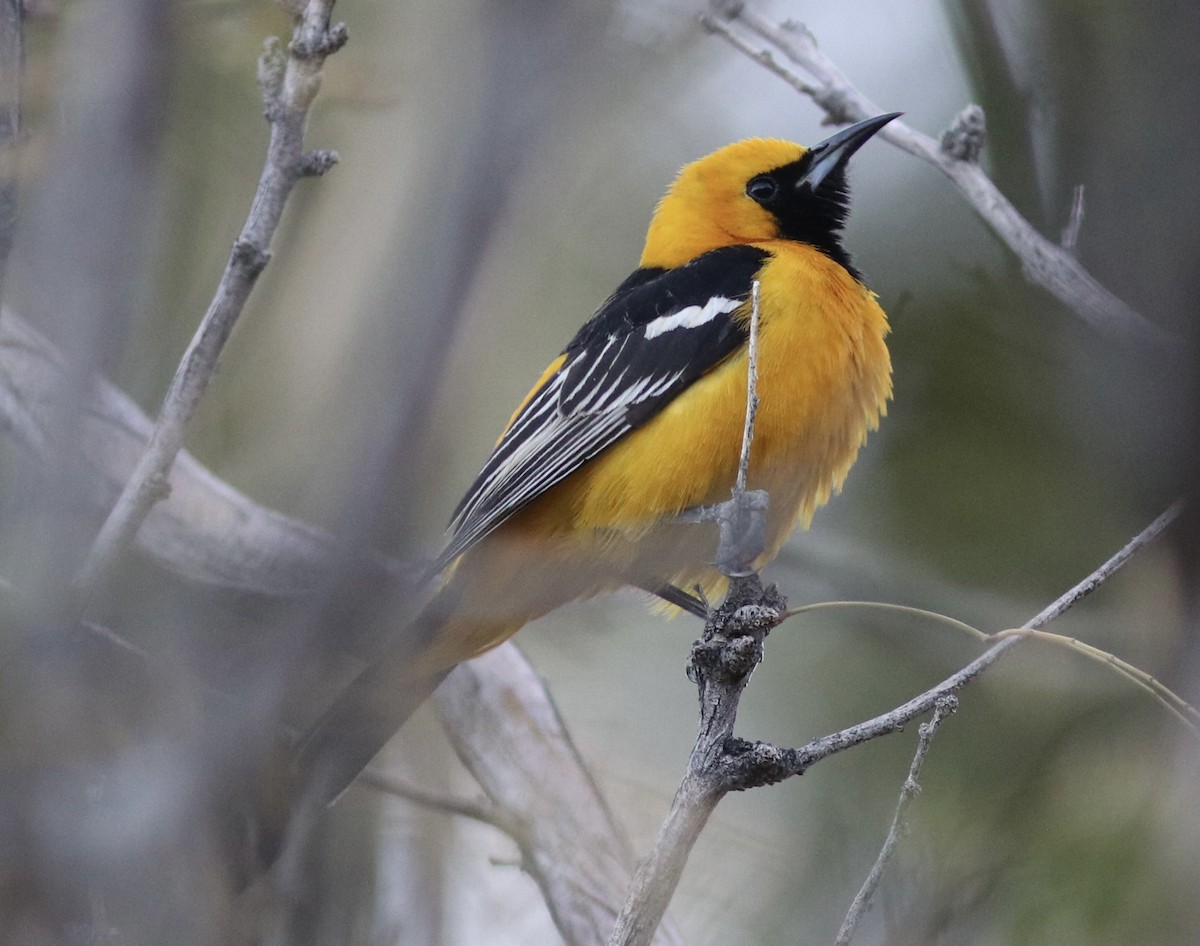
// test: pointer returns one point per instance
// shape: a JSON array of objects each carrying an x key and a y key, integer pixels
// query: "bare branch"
[
  {"x": 908, "y": 791},
  {"x": 511, "y": 738},
  {"x": 289, "y": 83},
  {"x": 720, "y": 763},
  {"x": 720, "y": 665},
  {"x": 496, "y": 711},
  {"x": 1049, "y": 265}
]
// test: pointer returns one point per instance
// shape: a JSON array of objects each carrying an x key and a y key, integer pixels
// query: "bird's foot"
[{"x": 743, "y": 529}]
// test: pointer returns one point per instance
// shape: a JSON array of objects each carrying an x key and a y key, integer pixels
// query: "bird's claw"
[{"x": 743, "y": 530}]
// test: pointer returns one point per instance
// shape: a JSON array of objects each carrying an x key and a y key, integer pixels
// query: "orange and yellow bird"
[{"x": 640, "y": 420}]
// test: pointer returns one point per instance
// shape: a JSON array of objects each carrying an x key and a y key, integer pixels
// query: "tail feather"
[
  {"x": 304, "y": 774},
  {"x": 373, "y": 707},
  {"x": 258, "y": 812},
  {"x": 311, "y": 771},
  {"x": 358, "y": 725}
]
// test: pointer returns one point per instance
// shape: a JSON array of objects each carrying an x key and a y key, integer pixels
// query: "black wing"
[{"x": 659, "y": 332}]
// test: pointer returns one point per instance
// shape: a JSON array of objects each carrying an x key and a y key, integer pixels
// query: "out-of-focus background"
[{"x": 499, "y": 162}]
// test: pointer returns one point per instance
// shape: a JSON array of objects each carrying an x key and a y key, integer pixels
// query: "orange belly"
[{"x": 824, "y": 380}]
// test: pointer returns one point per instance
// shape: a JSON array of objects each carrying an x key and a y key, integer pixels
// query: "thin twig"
[
  {"x": 743, "y": 523},
  {"x": 476, "y": 809},
  {"x": 751, "y": 387},
  {"x": 1045, "y": 263},
  {"x": 289, "y": 83},
  {"x": 1070, "y": 234},
  {"x": 908, "y": 791},
  {"x": 800, "y": 759},
  {"x": 742, "y": 520},
  {"x": 1093, "y": 581}
]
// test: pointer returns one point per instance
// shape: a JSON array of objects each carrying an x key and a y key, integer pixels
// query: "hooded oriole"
[{"x": 640, "y": 418}]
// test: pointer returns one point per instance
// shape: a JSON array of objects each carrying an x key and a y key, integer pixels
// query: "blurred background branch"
[
  {"x": 496, "y": 711},
  {"x": 12, "y": 64},
  {"x": 289, "y": 84}
]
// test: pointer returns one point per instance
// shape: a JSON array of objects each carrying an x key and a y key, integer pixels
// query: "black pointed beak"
[{"x": 835, "y": 151}]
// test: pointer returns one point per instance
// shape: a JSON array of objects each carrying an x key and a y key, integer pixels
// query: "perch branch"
[
  {"x": 1049, "y": 265},
  {"x": 289, "y": 83},
  {"x": 721, "y": 663}
]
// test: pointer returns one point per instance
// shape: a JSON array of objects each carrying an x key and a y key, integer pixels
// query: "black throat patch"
[{"x": 815, "y": 217}]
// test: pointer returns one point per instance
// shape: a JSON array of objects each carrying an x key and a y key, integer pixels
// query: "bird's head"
[{"x": 755, "y": 190}]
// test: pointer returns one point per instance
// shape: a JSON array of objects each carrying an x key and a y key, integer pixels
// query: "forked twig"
[{"x": 290, "y": 82}]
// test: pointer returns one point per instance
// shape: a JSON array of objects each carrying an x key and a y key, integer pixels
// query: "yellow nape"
[{"x": 706, "y": 207}]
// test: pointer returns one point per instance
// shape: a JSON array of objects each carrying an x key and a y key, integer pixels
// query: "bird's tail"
[
  {"x": 370, "y": 710},
  {"x": 303, "y": 775}
]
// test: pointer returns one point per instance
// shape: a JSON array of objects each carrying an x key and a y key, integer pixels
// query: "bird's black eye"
[{"x": 762, "y": 189}]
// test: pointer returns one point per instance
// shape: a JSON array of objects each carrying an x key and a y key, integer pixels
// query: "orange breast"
[{"x": 824, "y": 380}]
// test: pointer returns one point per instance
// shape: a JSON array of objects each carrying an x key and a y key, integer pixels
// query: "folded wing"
[{"x": 659, "y": 332}]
